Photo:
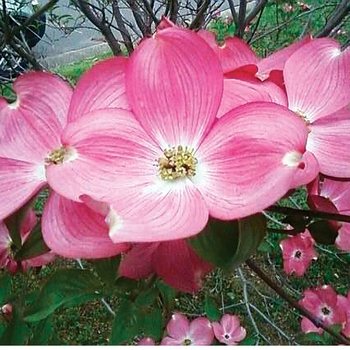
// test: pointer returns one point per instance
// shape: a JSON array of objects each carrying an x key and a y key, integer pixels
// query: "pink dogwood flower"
[
  {"x": 146, "y": 341},
  {"x": 6, "y": 253},
  {"x": 332, "y": 195},
  {"x": 182, "y": 332},
  {"x": 324, "y": 303},
  {"x": 169, "y": 163},
  {"x": 344, "y": 303},
  {"x": 228, "y": 330},
  {"x": 298, "y": 251},
  {"x": 174, "y": 261},
  {"x": 31, "y": 128}
]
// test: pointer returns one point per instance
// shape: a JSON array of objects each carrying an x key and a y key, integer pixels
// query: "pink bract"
[
  {"x": 333, "y": 195},
  {"x": 146, "y": 341},
  {"x": 182, "y": 332},
  {"x": 298, "y": 251},
  {"x": 229, "y": 330},
  {"x": 319, "y": 93},
  {"x": 237, "y": 165},
  {"x": 174, "y": 261},
  {"x": 324, "y": 303},
  {"x": 6, "y": 257}
]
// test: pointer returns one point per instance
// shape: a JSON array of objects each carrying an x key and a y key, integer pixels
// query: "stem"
[
  {"x": 317, "y": 322},
  {"x": 309, "y": 213}
]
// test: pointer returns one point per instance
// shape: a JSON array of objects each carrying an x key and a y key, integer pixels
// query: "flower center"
[
  {"x": 60, "y": 155},
  {"x": 227, "y": 336},
  {"x": 325, "y": 311},
  {"x": 298, "y": 254},
  {"x": 187, "y": 342},
  {"x": 177, "y": 163}
]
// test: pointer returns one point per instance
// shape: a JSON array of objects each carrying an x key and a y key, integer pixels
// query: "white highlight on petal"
[
  {"x": 14, "y": 105},
  {"x": 114, "y": 221},
  {"x": 292, "y": 158},
  {"x": 41, "y": 172},
  {"x": 70, "y": 154}
]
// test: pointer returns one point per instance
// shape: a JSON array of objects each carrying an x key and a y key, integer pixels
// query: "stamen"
[
  {"x": 177, "y": 163},
  {"x": 303, "y": 116},
  {"x": 187, "y": 342},
  {"x": 60, "y": 155}
]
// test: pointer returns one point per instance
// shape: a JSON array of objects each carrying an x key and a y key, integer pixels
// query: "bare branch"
[
  {"x": 101, "y": 24},
  {"x": 121, "y": 26},
  {"x": 342, "y": 10},
  {"x": 199, "y": 19}
]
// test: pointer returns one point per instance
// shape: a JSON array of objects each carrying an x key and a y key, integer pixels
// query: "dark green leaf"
[
  {"x": 211, "y": 309},
  {"x": 323, "y": 232},
  {"x": 229, "y": 243},
  {"x": 5, "y": 289},
  {"x": 67, "y": 285},
  {"x": 167, "y": 294},
  {"x": 33, "y": 246},
  {"x": 147, "y": 297},
  {"x": 17, "y": 331},
  {"x": 248, "y": 341},
  {"x": 151, "y": 322},
  {"x": 43, "y": 332},
  {"x": 125, "y": 326},
  {"x": 297, "y": 222},
  {"x": 124, "y": 285},
  {"x": 265, "y": 247},
  {"x": 107, "y": 269}
]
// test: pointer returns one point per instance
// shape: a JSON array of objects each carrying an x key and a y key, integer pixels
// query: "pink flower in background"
[
  {"x": 228, "y": 330},
  {"x": 182, "y": 332},
  {"x": 298, "y": 251},
  {"x": 173, "y": 261},
  {"x": 333, "y": 196},
  {"x": 320, "y": 93},
  {"x": 170, "y": 163},
  {"x": 6, "y": 311},
  {"x": 324, "y": 303},
  {"x": 146, "y": 341},
  {"x": 6, "y": 254},
  {"x": 344, "y": 303}
]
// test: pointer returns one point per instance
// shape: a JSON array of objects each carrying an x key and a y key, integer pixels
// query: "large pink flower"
[
  {"x": 298, "y": 251},
  {"x": 324, "y": 303},
  {"x": 170, "y": 163},
  {"x": 344, "y": 303},
  {"x": 229, "y": 330},
  {"x": 6, "y": 253},
  {"x": 333, "y": 195},
  {"x": 31, "y": 126},
  {"x": 182, "y": 332},
  {"x": 174, "y": 261},
  {"x": 31, "y": 129}
]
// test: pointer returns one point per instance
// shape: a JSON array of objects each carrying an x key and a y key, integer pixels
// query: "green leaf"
[
  {"x": 17, "y": 331},
  {"x": 67, "y": 285},
  {"x": 211, "y": 309},
  {"x": 125, "y": 325},
  {"x": 33, "y": 246},
  {"x": 107, "y": 269},
  {"x": 147, "y": 297},
  {"x": 323, "y": 232},
  {"x": 248, "y": 341},
  {"x": 151, "y": 322},
  {"x": 167, "y": 294},
  {"x": 5, "y": 290},
  {"x": 229, "y": 243},
  {"x": 43, "y": 332}
]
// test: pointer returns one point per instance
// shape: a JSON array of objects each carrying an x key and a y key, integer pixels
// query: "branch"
[
  {"x": 174, "y": 10},
  {"x": 233, "y": 12},
  {"x": 309, "y": 213},
  {"x": 241, "y": 18},
  {"x": 121, "y": 26},
  {"x": 257, "y": 8},
  {"x": 317, "y": 322},
  {"x": 138, "y": 18},
  {"x": 339, "y": 14},
  {"x": 199, "y": 19},
  {"x": 150, "y": 12},
  {"x": 101, "y": 25}
]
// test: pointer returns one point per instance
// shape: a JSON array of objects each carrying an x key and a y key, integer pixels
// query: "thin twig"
[
  {"x": 309, "y": 213},
  {"x": 247, "y": 304}
]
